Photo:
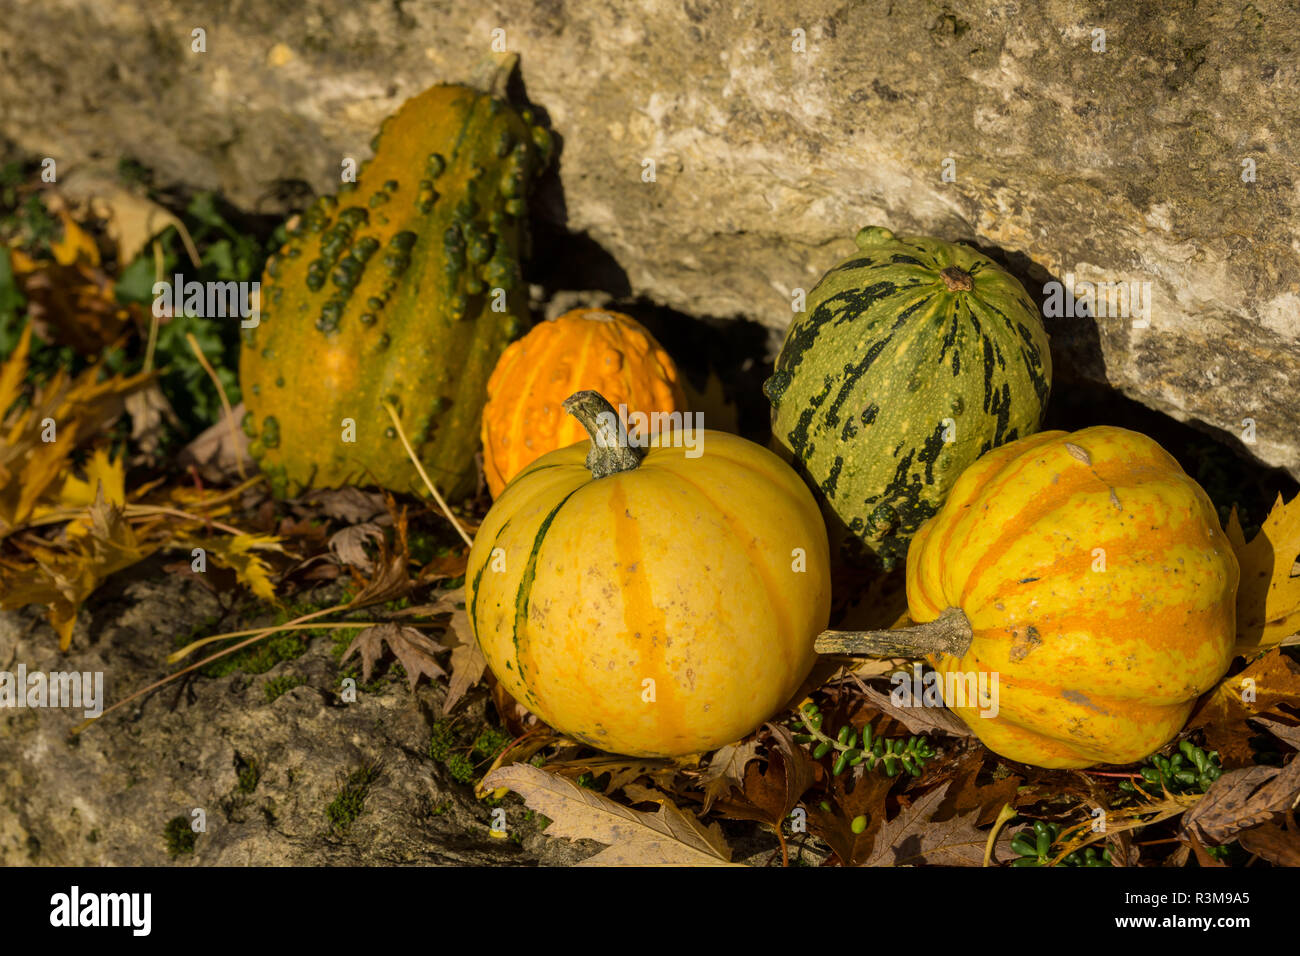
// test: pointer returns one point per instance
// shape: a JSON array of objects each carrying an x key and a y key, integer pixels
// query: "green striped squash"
[{"x": 913, "y": 358}]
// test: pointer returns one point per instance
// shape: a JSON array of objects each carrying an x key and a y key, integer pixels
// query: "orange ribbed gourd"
[
  {"x": 595, "y": 349},
  {"x": 1097, "y": 585}
]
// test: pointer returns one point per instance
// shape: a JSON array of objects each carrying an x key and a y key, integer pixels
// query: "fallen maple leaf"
[
  {"x": 70, "y": 300},
  {"x": 771, "y": 793},
  {"x": 62, "y": 579},
  {"x": 34, "y": 468},
  {"x": 856, "y": 793},
  {"x": 239, "y": 553},
  {"x": 914, "y": 837},
  {"x": 411, "y": 648},
  {"x": 726, "y": 770},
  {"x": 667, "y": 837},
  {"x": 1261, "y": 689},
  {"x": 1268, "y": 598},
  {"x": 349, "y": 545}
]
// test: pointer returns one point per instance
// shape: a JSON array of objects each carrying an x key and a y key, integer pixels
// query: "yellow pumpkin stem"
[
  {"x": 611, "y": 450},
  {"x": 949, "y": 633}
]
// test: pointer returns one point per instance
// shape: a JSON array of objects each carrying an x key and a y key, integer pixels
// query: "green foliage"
[
  {"x": 228, "y": 252},
  {"x": 1034, "y": 848},
  {"x": 260, "y": 657},
  {"x": 24, "y": 220},
  {"x": 11, "y": 305},
  {"x": 178, "y": 836},
  {"x": 1191, "y": 770},
  {"x": 225, "y": 255},
  {"x": 248, "y": 773},
  {"x": 466, "y": 758},
  {"x": 850, "y": 749},
  {"x": 351, "y": 800},
  {"x": 277, "y": 686}
]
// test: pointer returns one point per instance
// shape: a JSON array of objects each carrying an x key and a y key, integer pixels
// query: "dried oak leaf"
[
  {"x": 130, "y": 220},
  {"x": 1242, "y": 799},
  {"x": 1262, "y": 689},
  {"x": 443, "y": 567},
  {"x": 1288, "y": 733},
  {"x": 967, "y": 795},
  {"x": 149, "y": 409},
  {"x": 667, "y": 837},
  {"x": 219, "y": 453},
  {"x": 391, "y": 579},
  {"x": 467, "y": 662},
  {"x": 411, "y": 648}
]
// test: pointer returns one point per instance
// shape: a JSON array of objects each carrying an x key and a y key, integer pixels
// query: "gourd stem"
[
  {"x": 957, "y": 280},
  {"x": 611, "y": 449},
  {"x": 949, "y": 633},
  {"x": 492, "y": 75}
]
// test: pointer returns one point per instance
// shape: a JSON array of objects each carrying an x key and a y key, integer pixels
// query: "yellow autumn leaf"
[
  {"x": 37, "y": 438},
  {"x": 15, "y": 370},
  {"x": 238, "y": 552},
  {"x": 1268, "y": 598},
  {"x": 75, "y": 244},
  {"x": 62, "y": 578}
]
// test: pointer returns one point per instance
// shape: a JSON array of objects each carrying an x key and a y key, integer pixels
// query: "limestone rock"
[{"x": 1124, "y": 155}]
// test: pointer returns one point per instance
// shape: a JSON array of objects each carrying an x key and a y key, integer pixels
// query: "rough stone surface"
[
  {"x": 106, "y": 797},
  {"x": 1122, "y": 165}
]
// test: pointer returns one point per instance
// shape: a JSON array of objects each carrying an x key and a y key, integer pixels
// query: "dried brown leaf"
[
  {"x": 414, "y": 650},
  {"x": 914, "y": 837},
  {"x": 1262, "y": 689},
  {"x": 855, "y": 793},
  {"x": 726, "y": 770},
  {"x": 667, "y": 837},
  {"x": 349, "y": 545},
  {"x": 919, "y": 719},
  {"x": 1273, "y": 842},
  {"x": 1241, "y": 799}
]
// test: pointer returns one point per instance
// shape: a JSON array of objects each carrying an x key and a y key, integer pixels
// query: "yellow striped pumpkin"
[
  {"x": 651, "y": 601},
  {"x": 1098, "y": 586}
]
